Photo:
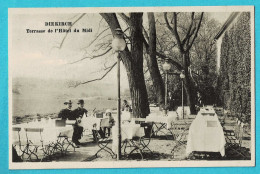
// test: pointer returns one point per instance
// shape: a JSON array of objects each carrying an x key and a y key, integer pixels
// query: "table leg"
[{"x": 162, "y": 126}]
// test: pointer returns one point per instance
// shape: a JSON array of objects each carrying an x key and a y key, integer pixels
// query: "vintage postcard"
[{"x": 131, "y": 87}]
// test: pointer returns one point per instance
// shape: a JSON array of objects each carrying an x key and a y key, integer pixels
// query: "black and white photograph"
[{"x": 131, "y": 87}]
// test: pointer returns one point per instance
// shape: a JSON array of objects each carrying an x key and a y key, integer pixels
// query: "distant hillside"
[
  {"x": 41, "y": 96},
  {"x": 32, "y": 87}
]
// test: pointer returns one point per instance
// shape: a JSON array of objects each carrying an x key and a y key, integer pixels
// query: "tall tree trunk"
[
  {"x": 152, "y": 62},
  {"x": 189, "y": 85},
  {"x": 133, "y": 62},
  {"x": 138, "y": 92},
  {"x": 136, "y": 76}
]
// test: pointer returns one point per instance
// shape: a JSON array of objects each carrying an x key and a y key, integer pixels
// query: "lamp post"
[
  {"x": 118, "y": 44},
  {"x": 166, "y": 68},
  {"x": 182, "y": 76}
]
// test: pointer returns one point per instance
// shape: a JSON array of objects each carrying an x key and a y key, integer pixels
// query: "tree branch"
[
  {"x": 96, "y": 38},
  {"x": 105, "y": 36},
  {"x": 167, "y": 22},
  {"x": 174, "y": 30},
  {"x": 125, "y": 18},
  {"x": 145, "y": 34},
  {"x": 101, "y": 46},
  {"x": 81, "y": 16},
  {"x": 196, "y": 33},
  {"x": 113, "y": 23},
  {"x": 97, "y": 79},
  {"x": 175, "y": 63},
  {"x": 92, "y": 57},
  {"x": 189, "y": 30},
  {"x": 191, "y": 75},
  {"x": 178, "y": 65}
]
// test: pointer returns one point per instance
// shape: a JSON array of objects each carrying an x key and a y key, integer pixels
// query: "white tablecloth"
[
  {"x": 209, "y": 106},
  {"x": 154, "y": 109},
  {"x": 206, "y": 135},
  {"x": 88, "y": 123},
  {"x": 186, "y": 111},
  {"x": 155, "y": 118},
  {"x": 207, "y": 111},
  {"x": 125, "y": 116},
  {"x": 128, "y": 131},
  {"x": 49, "y": 132}
]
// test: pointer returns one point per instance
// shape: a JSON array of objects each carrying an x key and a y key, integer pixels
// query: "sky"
[
  {"x": 220, "y": 16},
  {"x": 37, "y": 55}
]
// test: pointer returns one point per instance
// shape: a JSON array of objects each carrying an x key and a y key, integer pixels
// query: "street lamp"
[
  {"x": 166, "y": 67},
  {"x": 182, "y": 76},
  {"x": 118, "y": 44}
]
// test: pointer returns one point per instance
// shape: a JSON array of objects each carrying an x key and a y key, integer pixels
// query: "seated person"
[
  {"x": 67, "y": 114},
  {"x": 111, "y": 121},
  {"x": 77, "y": 115},
  {"x": 126, "y": 106}
]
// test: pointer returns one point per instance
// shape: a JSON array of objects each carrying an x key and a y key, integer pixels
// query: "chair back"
[
  {"x": 180, "y": 128},
  {"x": 33, "y": 135},
  {"x": 60, "y": 123},
  {"x": 33, "y": 129},
  {"x": 180, "y": 131},
  {"x": 16, "y": 132},
  {"x": 16, "y": 129}
]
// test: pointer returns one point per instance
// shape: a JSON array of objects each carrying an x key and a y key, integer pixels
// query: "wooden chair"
[
  {"x": 234, "y": 139},
  {"x": 231, "y": 132},
  {"x": 18, "y": 145},
  {"x": 139, "y": 144},
  {"x": 145, "y": 140},
  {"x": 179, "y": 132},
  {"x": 103, "y": 142},
  {"x": 106, "y": 125},
  {"x": 34, "y": 145},
  {"x": 62, "y": 140}
]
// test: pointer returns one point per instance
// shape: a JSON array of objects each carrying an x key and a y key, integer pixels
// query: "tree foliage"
[
  {"x": 204, "y": 60},
  {"x": 202, "y": 54},
  {"x": 235, "y": 68}
]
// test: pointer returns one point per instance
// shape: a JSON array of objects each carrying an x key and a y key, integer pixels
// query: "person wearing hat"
[
  {"x": 80, "y": 111},
  {"x": 77, "y": 115},
  {"x": 66, "y": 113}
]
